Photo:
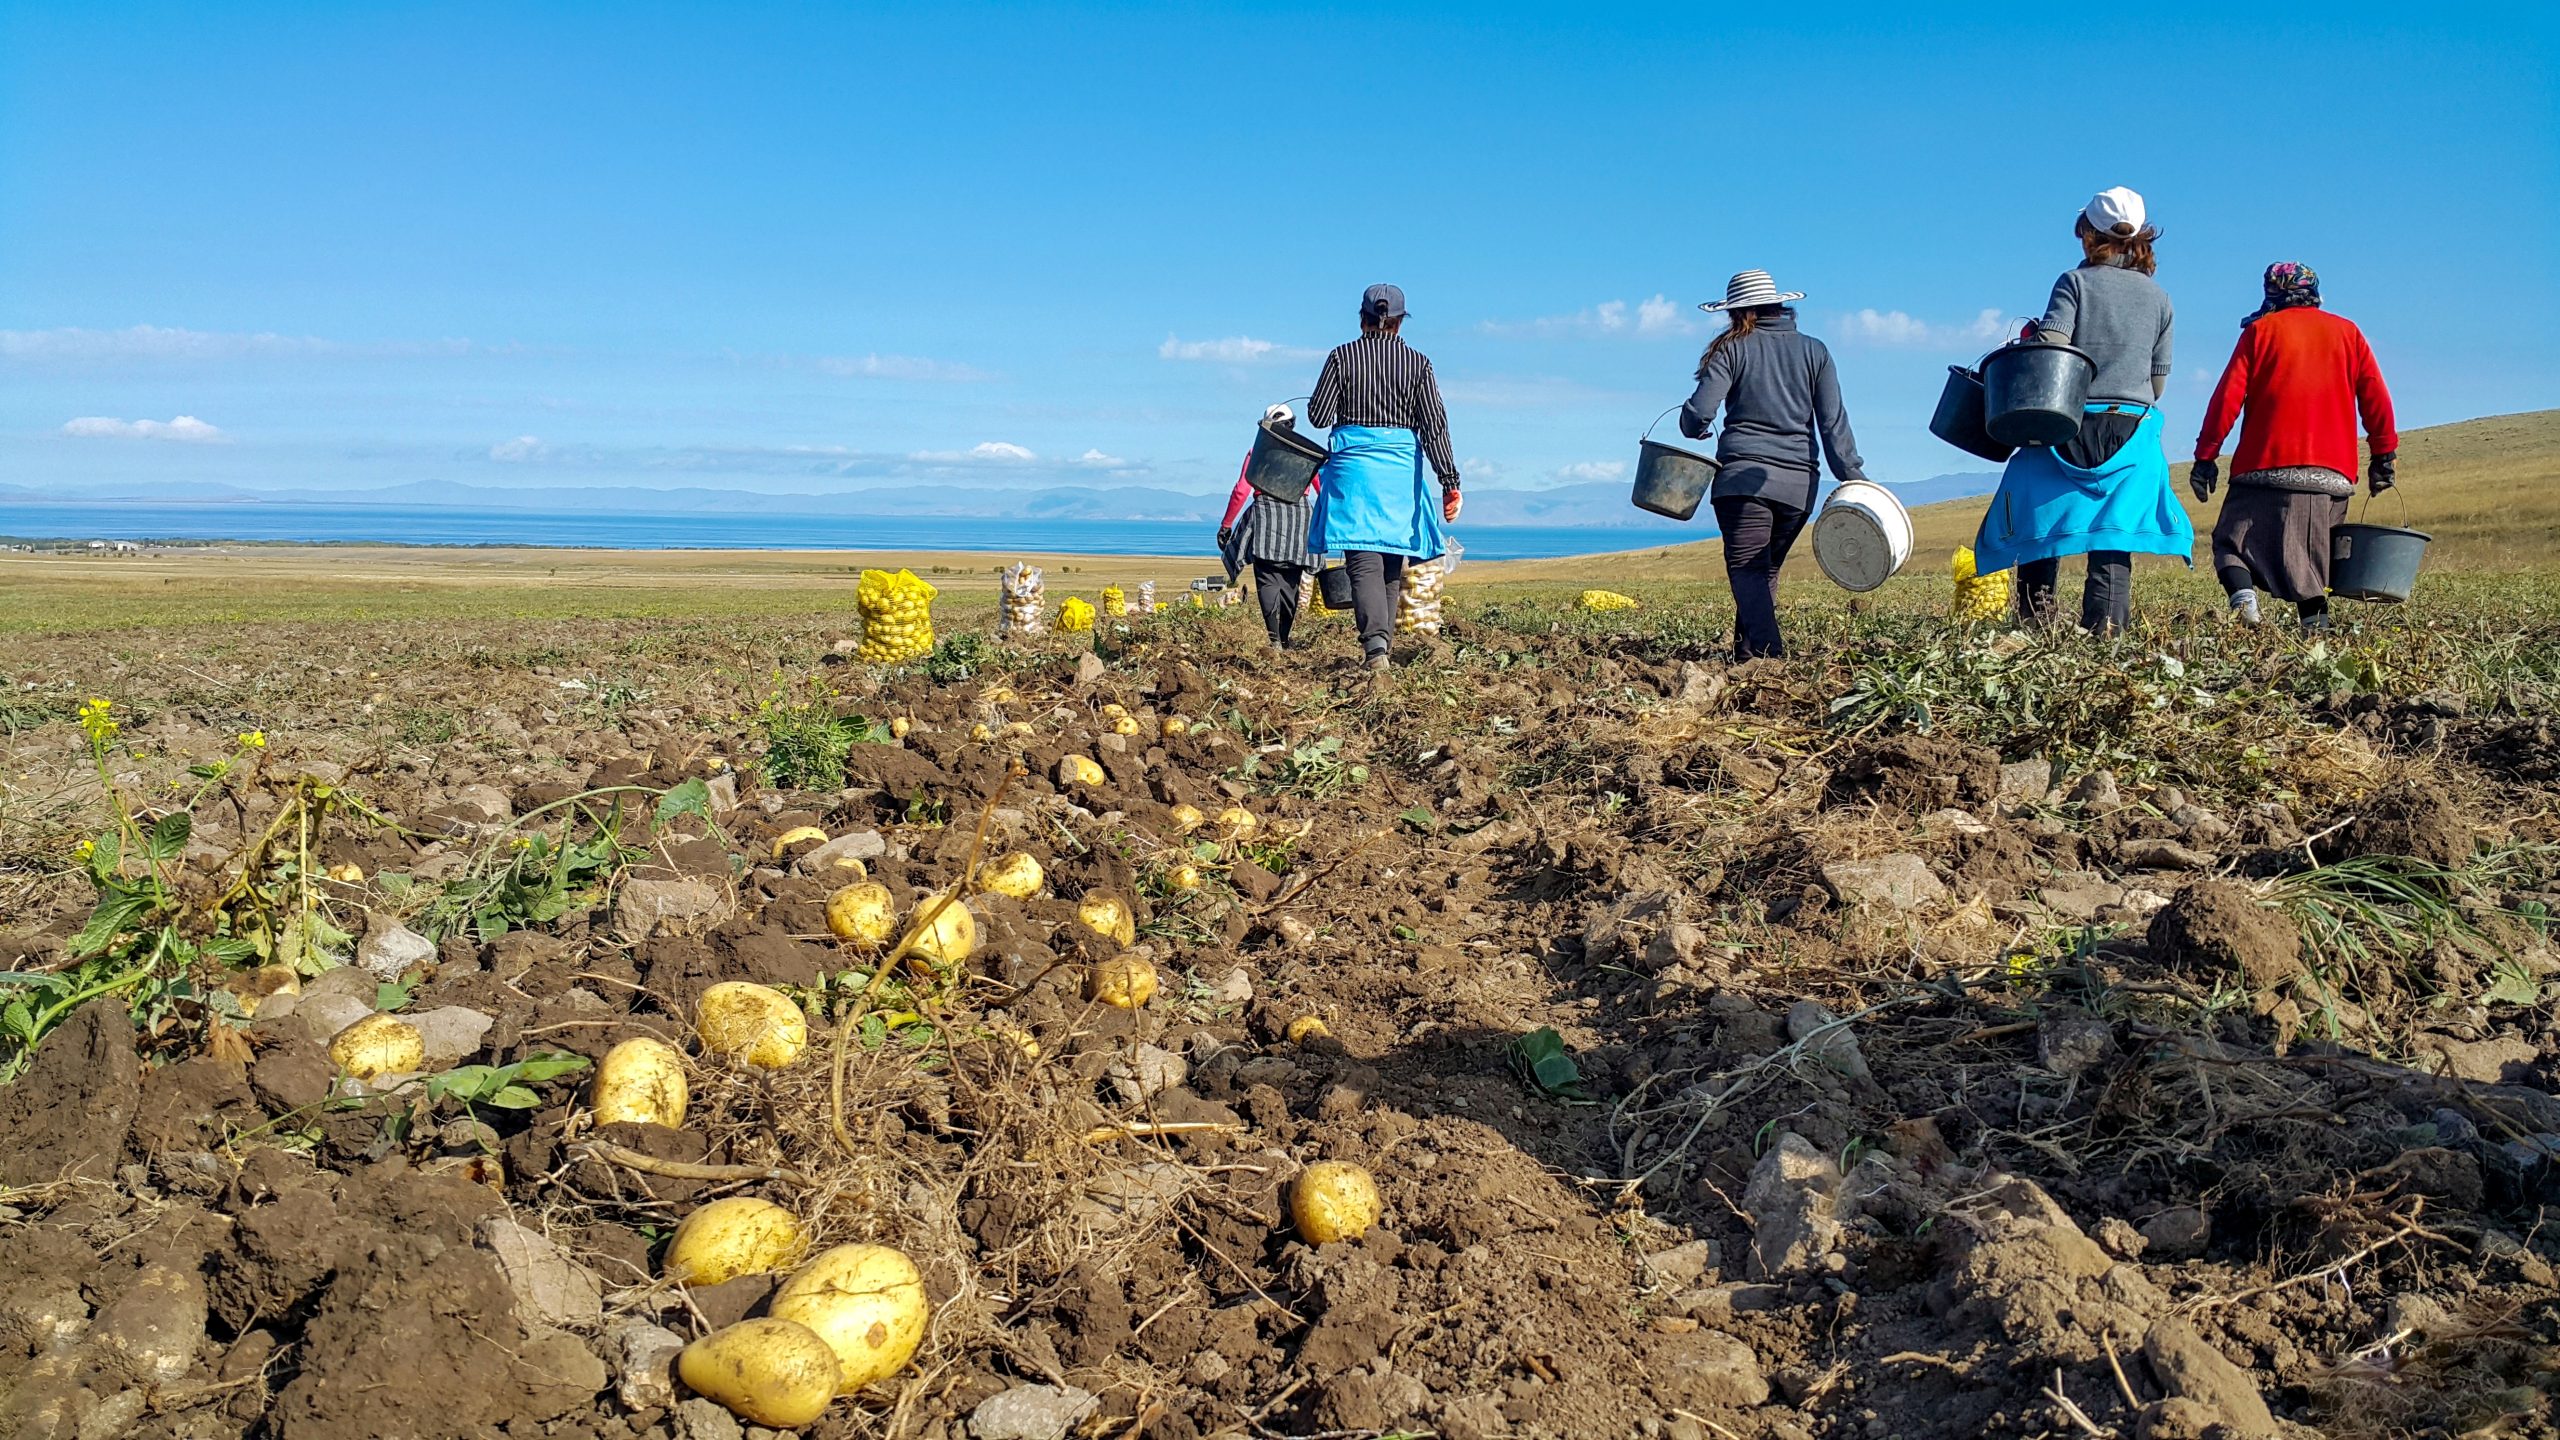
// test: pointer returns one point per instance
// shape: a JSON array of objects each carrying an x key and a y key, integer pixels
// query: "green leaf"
[
  {"x": 1420, "y": 818},
  {"x": 513, "y": 1097},
  {"x": 391, "y": 996},
  {"x": 693, "y": 797},
  {"x": 117, "y": 909},
  {"x": 2514, "y": 985},
  {"x": 547, "y": 1065},
  {"x": 169, "y": 837},
  {"x": 18, "y": 1022},
  {"x": 1540, "y": 1057}
]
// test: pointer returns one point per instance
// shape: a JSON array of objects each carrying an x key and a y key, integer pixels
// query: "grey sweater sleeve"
[
  {"x": 2160, "y": 347},
  {"x": 2062, "y": 310},
  {"x": 1839, "y": 447},
  {"x": 1697, "y": 417}
]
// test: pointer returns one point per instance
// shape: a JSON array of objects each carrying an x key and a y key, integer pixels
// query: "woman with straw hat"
[
  {"x": 2103, "y": 493},
  {"x": 2304, "y": 377},
  {"x": 1781, "y": 398}
]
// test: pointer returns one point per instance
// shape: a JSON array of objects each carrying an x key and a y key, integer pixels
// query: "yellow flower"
[
  {"x": 97, "y": 719},
  {"x": 253, "y": 739},
  {"x": 84, "y": 849}
]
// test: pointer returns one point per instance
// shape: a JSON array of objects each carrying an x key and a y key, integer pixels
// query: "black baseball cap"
[{"x": 1382, "y": 302}]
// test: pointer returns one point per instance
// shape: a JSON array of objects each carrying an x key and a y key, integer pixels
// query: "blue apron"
[
  {"x": 1376, "y": 496},
  {"x": 2046, "y": 509}
]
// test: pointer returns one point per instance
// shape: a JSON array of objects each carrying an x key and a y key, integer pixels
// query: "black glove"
[
  {"x": 2379, "y": 476},
  {"x": 2203, "y": 479},
  {"x": 1226, "y": 536}
]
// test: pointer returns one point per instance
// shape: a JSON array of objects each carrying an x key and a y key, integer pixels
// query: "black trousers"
[
  {"x": 1758, "y": 532},
  {"x": 1275, "y": 588},
  {"x": 2106, "y": 597},
  {"x": 1375, "y": 580}
]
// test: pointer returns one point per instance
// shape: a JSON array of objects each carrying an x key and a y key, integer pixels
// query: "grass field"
[{"x": 2488, "y": 489}]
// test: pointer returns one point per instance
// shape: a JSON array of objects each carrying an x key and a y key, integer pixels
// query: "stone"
[
  {"x": 551, "y": 1289},
  {"x": 390, "y": 948},
  {"x": 722, "y": 791},
  {"x": 643, "y": 1357},
  {"x": 1089, "y": 668},
  {"x": 2193, "y": 1370},
  {"x": 1825, "y": 1039},
  {"x": 150, "y": 1331},
  {"x": 1135, "y": 1195},
  {"x": 2117, "y": 1237},
  {"x": 2079, "y": 895},
  {"x": 2502, "y": 1060},
  {"x": 1900, "y": 882},
  {"x": 1031, "y": 1412},
  {"x": 1681, "y": 1266},
  {"x": 1792, "y": 1201},
  {"x": 2177, "y": 1234},
  {"x": 1714, "y": 1369},
  {"x": 451, "y": 1033},
  {"x": 2157, "y": 854},
  {"x": 1700, "y": 685},
  {"x": 1941, "y": 824},
  {"x": 561, "y": 1375},
  {"x": 1235, "y": 987},
  {"x": 478, "y": 804},
  {"x": 656, "y": 907},
  {"x": 323, "y": 1016},
  {"x": 2097, "y": 793},
  {"x": 2069, "y": 1045},
  {"x": 2024, "y": 782},
  {"x": 699, "y": 1419},
  {"x": 863, "y": 845},
  {"x": 1146, "y": 1071}
]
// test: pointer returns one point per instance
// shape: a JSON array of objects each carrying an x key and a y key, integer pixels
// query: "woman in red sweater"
[{"x": 2304, "y": 377}]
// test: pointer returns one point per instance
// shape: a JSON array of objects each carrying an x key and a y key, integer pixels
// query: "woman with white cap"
[
  {"x": 2105, "y": 492},
  {"x": 1379, "y": 398},
  {"x": 1271, "y": 538},
  {"x": 1780, "y": 396}
]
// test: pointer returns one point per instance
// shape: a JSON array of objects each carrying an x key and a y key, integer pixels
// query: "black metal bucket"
[
  {"x": 1283, "y": 464},
  {"x": 2376, "y": 562},
  {"x": 1333, "y": 586},
  {"x": 1960, "y": 416},
  {"x": 1670, "y": 480},
  {"x": 2033, "y": 392}
]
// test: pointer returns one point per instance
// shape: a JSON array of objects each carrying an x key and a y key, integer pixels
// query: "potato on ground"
[
  {"x": 740, "y": 1235},
  {"x": 774, "y": 1373},
  {"x": 755, "y": 1024},
  {"x": 1334, "y": 1200},
  {"x": 378, "y": 1045},
  {"x": 867, "y": 1302},
  {"x": 641, "y": 1081}
]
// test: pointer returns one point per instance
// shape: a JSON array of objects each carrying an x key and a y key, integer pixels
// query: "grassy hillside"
[{"x": 2487, "y": 489}]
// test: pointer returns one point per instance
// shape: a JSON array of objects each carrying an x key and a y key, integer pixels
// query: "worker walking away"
[
  {"x": 1379, "y": 398},
  {"x": 2297, "y": 383},
  {"x": 1781, "y": 399},
  {"x": 1270, "y": 537}
]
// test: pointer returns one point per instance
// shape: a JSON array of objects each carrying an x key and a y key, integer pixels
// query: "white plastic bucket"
[{"x": 1862, "y": 536}]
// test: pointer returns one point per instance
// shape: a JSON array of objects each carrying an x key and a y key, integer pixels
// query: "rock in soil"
[
  {"x": 551, "y": 1290},
  {"x": 2193, "y": 1370},
  {"x": 1792, "y": 1200},
  {"x": 1031, "y": 1412},
  {"x": 390, "y": 948},
  {"x": 1897, "y": 882},
  {"x": 150, "y": 1331}
]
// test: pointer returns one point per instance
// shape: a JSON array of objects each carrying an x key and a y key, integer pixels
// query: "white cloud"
[
  {"x": 1594, "y": 470},
  {"x": 523, "y": 447},
  {"x": 1899, "y": 329},
  {"x": 186, "y": 428},
  {"x": 1234, "y": 350},
  {"x": 75, "y": 345},
  {"x": 998, "y": 451},
  {"x": 1659, "y": 315},
  {"x": 898, "y": 367},
  {"x": 1099, "y": 461}
]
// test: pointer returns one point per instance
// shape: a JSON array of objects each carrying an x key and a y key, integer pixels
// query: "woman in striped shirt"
[
  {"x": 1378, "y": 397},
  {"x": 1272, "y": 539}
]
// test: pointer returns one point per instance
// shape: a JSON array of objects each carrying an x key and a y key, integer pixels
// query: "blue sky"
[{"x": 802, "y": 248}]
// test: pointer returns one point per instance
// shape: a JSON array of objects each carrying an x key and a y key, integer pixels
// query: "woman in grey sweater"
[{"x": 1779, "y": 394}]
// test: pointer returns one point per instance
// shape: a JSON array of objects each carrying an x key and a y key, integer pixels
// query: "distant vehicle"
[{"x": 1209, "y": 584}]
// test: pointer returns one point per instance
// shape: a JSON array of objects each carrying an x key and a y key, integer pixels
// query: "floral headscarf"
[{"x": 2289, "y": 284}]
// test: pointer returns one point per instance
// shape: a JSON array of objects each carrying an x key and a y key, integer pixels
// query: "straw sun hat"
[{"x": 1751, "y": 287}]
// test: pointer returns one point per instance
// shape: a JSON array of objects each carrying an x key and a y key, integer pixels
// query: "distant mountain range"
[{"x": 1592, "y": 505}]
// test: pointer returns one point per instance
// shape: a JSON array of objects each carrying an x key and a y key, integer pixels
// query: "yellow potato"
[
  {"x": 952, "y": 935},
  {"x": 1018, "y": 727},
  {"x": 1017, "y": 1037},
  {"x": 1115, "y": 711},
  {"x": 775, "y": 1373},
  {"x": 1183, "y": 877},
  {"x": 980, "y": 733},
  {"x": 753, "y": 1023},
  {"x": 1236, "y": 822},
  {"x": 1306, "y": 1028},
  {"x": 1175, "y": 725},
  {"x": 1018, "y": 875},
  {"x": 1108, "y": 916},
  {"x": 729, "y": 1238},
  {"x": 1125, "y": 981},
  {"x": 1333, "y": 1200},
  {"x": 378, "y": 1045},
  {"x": 1125, "y": 725},
  {"x": 256, "y": 987},
  {"x": 1078, "y": 770},
  {"x": 641, "y": 1082},
  {"x": 866, "y": 914},
  {"x": 1187, "y": 818},
  {"x": 850, "y": 866},
  {"x": 349, "y": 873},
  {"x": 867, "y": 1302},
  {"x": 899, "y": 727},
  {"x": 797, "y": 835},
  {"x": 1000, "y": 695}
]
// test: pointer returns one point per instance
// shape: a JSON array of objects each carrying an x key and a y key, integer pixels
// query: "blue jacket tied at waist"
[
  {"x": 2047, "y": 508},
  {"x": 1376, "y": 496}
]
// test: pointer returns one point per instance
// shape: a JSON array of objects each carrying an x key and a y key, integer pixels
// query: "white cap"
[
  {"x": 1279, "y": 415},
  {"x": 2114, "y": 212}
]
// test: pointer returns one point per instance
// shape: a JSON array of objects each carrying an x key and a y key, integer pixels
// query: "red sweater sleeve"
[
  {"x": 2373, "y": 401},
  {"x": 1242, "y": 493},
  {"x": 2228, "y": 396}
]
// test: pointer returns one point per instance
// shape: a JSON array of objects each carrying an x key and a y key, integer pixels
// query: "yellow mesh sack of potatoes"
[
  {"x": 1075, "y": 616},
  {"x": 1604, "y": 600},
  {"x": 1115, "y": 602},
  {"x": 1978, "y": 597},
  {"x": 897, "y": 616}
]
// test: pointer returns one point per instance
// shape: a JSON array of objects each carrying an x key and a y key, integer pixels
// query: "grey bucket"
[
  {"x": 2375, "y": 562},
  {"x": 1959, "y": 416},
  {"x": 1670, "y": 480},
  {"x": 1283, "y": 463},
  {"x": 1333, "y": 586},
  {"x": 2033, "y": 392}
]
